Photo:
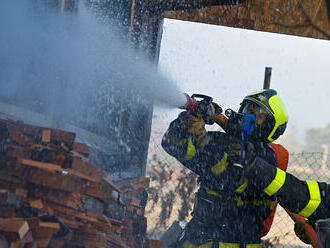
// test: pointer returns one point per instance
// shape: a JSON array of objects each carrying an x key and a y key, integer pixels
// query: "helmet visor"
[{"x": 253, "y": 108}]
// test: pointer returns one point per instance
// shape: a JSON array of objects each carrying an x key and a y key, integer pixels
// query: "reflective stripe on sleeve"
[
  {"x": 211, "y": 192},
  {"x": 241, "y": 188},
  {"x": 221, "y": 166},
  {"x": 315, "y": 199},
  {"x": 188, "y": 244},
  {"x": 253, "y": 246},
  {"x": 207, "y": 245},
  {"x": 175, "y": 141},
  {"x": 228, "y": 245},
  {"x": 276, "y": 184},
  {"x": 191, "y": 150}
]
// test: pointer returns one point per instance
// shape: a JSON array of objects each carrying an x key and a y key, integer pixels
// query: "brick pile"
[{"x": 51, "y": 196}]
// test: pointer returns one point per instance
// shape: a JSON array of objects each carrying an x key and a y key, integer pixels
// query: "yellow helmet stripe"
[
  {"x": 276, "y": 184},
  {"x": 315, "y": 199},
  {"x": 191, "y": 150},
  {"x": 280, "y": 113}
]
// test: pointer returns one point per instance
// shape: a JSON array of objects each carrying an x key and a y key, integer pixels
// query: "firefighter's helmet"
[{"x": 277, "y": 114}]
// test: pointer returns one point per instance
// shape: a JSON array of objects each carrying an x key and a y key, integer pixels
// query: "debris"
[{"x": 51, "y": 196}]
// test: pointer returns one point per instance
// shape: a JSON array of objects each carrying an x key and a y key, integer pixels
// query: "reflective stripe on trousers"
[{"x": 187, "y": 244}]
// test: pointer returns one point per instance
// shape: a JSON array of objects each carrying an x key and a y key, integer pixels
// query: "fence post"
[
  {"x": 268, "y": 74},
  {"x": 324, "y": 157}
]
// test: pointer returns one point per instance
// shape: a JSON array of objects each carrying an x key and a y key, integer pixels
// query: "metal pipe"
[{"x": 268, "y": 74}]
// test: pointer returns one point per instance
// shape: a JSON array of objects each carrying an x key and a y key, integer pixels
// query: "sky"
[{"x": 229, "y": 63}]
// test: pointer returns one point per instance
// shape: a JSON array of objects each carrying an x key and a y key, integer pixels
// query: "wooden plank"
[
  {"x": 86, "y": 169},
  {"x": 60, "y": 197},
  {"x": 79, "y": 155},
  {"x": 107, "y": 192},
  {"x": 56, "y": 243},
  {"x": 154, "y": 243},
  {"x": 43, "y": 234},
  {"x": 43, "y": 243},
  {"x": 15, "y": 244},
  {"x": 56, "y": 135},
  {"x": 45, "y": 138},
  {"x": 26, "y": 134},
  {"x": 28, "y": 238},
  {"x": 55, "y": 169},
  {"x": 73, "y": 224},
  {"x": 46, "y": 229},
  {"x": 111, "y": 184},
  {"x": 36, "y": 204},
  {"x": 13, "y": 229},
  {"x": 21, "y": 192},
  {"x": 18, "y": 138},
  {"x": 90, "y": 237},
  {"x": 10, "y": 199},
  {"x": 97, "y": 220},
  {"x": 7, "y": 212},
  {"x": 49, "y": 154},
  {"x": 11, "y": 182},
  {"x": 16, "y": 151},
  {"x": 52, "y": 176},
  {"x": 33, "y": 222},
  {"x": 80, "y": 148},
  {"x": 33, "y": 244},
  {"x": 63, "y": 136}
]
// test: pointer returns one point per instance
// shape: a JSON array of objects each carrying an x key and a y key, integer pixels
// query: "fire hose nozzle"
[{"x": 191, "y": 103}]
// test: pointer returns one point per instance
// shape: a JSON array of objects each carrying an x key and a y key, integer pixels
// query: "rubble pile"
[{"x": 51, "y": 196}]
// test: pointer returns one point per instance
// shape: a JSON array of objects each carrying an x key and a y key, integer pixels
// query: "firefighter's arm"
[
  {"x": 310, "y": 199},
  {"x": 186, "y": 139},
  {"x": 182, "y": 131}
]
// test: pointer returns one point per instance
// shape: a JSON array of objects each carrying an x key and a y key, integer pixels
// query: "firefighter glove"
[{"x": 195, "y": 126}]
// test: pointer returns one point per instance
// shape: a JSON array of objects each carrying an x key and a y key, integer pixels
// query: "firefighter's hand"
[
  {"x": 241, "y": 154},
  {"x": 195, "y": 125}
]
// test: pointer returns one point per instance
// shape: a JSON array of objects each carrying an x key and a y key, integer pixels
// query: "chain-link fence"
[{"x": 172, "y": 187}]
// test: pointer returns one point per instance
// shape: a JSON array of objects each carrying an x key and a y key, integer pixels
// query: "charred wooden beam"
[
  {"x": 303, "y": 18},
  {"x": 170, "y": 5}
]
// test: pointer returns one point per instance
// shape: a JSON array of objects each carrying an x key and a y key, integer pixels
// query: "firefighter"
[{"x": 228, "y": 211}]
